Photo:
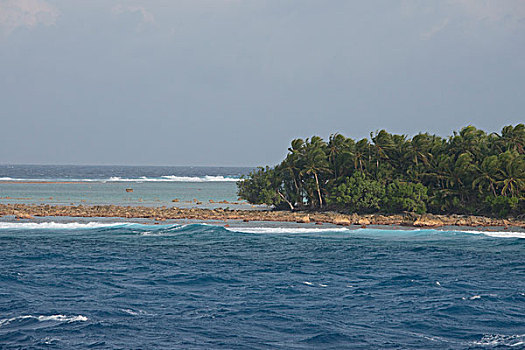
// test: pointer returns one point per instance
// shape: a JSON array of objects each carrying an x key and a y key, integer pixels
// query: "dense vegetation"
[{"x": 471, "y": 172}]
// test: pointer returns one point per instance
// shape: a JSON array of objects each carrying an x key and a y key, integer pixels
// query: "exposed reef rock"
[
  {"x": 28, "y": 211},
  {"x": 425, "y": 221},
  {"x": 304, "y": 219}
]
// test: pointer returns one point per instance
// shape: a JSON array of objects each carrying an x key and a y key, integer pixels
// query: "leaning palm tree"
[
  {"x": 419, "y": 149},
  {"x": 486, "y": 175},
  {"x": 290, "y": 168},
  {"x": 315, "y": 163},
  {"x": 513, "y": 138},
  {"x": 382, "y": 143},
  {"x": 512, "y": 172},
  {"x": 361, "y": 148},
  {"x": 336, "y": 145}
]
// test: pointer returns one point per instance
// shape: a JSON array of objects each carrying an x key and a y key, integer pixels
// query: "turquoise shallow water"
[
  {"x": 118, "y": 285},
  {"x": 99, "y": 185},
  {"x": 145, "y": 193}
]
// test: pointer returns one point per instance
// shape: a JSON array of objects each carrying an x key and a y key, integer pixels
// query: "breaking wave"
[
  {"x": 60, "y": 225},
  {"x": 43, "y": 318},
  {"x": 241, "y": 229},
  {"x": 167, "y": 178},
  {"x": 500, "y": 340},
  {"x": 159, "y": 229},
  {"x": 498, "y": 234}
]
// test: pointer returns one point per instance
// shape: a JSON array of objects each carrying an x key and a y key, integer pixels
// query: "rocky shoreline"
[{"x": 29, "y": 211}]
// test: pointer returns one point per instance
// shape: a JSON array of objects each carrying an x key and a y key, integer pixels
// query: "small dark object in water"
[{"x": 129, "y": 190}]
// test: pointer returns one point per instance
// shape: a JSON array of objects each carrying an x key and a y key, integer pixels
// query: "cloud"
[
  {"x": 26, "y": 13},
  {"x": 434, "y": 30},
  {"x": 147, "y": 17},
  {"x": 493, "y": 10},
  {"x": 508, "y": 14}
]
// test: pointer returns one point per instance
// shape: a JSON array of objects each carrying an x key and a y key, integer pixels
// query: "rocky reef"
[{"x": 29, "y": 211}]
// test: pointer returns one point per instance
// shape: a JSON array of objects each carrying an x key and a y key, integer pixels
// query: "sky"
[{"x": 232, "y": 82}]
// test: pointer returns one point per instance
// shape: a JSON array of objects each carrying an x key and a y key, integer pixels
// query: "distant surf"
[
  {"x": 173, "y": 178},
  {"x": 166, "y": 178}
]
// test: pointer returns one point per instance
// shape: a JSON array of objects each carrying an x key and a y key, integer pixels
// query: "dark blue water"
[{"x": 202, "y": 287}]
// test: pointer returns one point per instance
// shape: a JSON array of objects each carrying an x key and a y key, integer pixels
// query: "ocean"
[
  {"x": 101, "y": 185},
  {"x": 79, "y": 283}
]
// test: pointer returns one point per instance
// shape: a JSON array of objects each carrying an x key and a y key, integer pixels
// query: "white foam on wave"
[
  {"x": 48, "y": 180},
  {"x": 62, "y": 318},
  {"x": 241, "y": 229},
  {"x": 137, "y": 312},
  {"x": 167, "y": 178},
  {"x": 43, "y": 318},
  {"x": 501, "y": 340},
  {"x": 207, "y": 178},
  {"x": 498, "y": 234},
  {"x": 60, "y": 225},
  {"x": 173, "y": 178},
  {"x": 156, "y": 232}
]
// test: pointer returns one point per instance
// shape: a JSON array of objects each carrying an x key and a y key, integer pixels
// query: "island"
[{"x": 469, "y": 173}]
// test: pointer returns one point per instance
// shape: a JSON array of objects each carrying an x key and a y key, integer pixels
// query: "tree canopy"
[{"x": 470, "y": 172}]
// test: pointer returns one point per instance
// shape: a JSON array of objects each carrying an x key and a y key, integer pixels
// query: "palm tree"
[
  {"x": 420, "y": 149},
  {"x": 486, "y": 177},
  {"x": 382, "y": 143},
  {"x": 336, "y": 145},
  {"x": 513, "y": 138},
  {"x": 512, "y": 174},
  {"x": 468, "y": 140},
  {"x": 360, "y": 153},
  {"x": 315, "y": 163},
  {"x": 288, "y": 172},
  {"x": 293, "y": 165}
]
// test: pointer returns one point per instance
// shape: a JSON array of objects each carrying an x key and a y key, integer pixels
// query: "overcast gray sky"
[{"x": 231, "y": 82}]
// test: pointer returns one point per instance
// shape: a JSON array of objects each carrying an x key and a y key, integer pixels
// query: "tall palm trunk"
[
  {"x": 493, "y": 189},
  {"x": 318, "y": 190},
  {"x": 286, "y": 200},
  {"x": 297, "y": 190}
]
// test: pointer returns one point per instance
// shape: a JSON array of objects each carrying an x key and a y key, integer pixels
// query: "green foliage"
[
  {"x": 357, "y": 194},
  {"x": 405, "y": 196},
  {"x": 471, "y": 172},
  {"x": 259, "y": 187},
  {"x": 502, "y": 206}
]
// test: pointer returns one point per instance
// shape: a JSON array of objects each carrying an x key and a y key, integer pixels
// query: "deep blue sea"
[{"x": 104, "y": 285}]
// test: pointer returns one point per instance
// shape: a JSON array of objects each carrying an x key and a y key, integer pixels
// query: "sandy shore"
[{"x": 28, "y": 211}]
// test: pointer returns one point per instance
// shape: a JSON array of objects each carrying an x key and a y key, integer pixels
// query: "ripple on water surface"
[{"x": 130, "y": 285}]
